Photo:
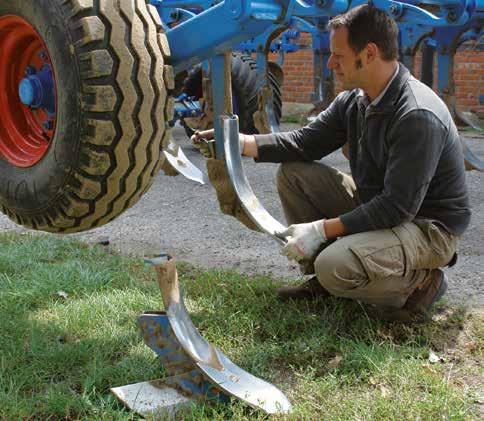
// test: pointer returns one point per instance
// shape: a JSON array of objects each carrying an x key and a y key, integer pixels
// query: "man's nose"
[{"x": 331, "y": 62}]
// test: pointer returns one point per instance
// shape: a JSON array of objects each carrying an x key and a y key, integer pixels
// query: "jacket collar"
[{"x": 388, "y": 101}]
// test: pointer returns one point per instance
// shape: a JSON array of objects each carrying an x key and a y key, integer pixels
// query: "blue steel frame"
[
  {"x": 251, "y": 24},
  {"x": 241, "y": 20},
  {"x": 238, "y": 21}
]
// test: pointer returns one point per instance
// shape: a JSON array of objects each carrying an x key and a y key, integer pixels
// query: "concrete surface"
[{"x": 182, "y": 217}]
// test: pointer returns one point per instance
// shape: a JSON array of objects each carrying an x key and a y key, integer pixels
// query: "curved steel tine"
[{"x": 250, "y": 203}]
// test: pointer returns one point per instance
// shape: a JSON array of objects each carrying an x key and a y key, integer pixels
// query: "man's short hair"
[{"x": 367, "y": 24}]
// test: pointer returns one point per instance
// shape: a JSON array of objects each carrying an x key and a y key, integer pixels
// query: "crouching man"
[{"x": 381, "y": 235}]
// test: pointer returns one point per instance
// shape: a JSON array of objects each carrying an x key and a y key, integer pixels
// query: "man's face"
[{"x": 347, "y": 65}]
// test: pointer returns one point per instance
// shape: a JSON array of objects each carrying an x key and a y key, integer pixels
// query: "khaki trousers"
[{"x": 381, "y": 267}]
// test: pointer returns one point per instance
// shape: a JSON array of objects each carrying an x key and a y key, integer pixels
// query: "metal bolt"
[
  {"x": 29, "y": 70},
  {"x": 451, "y": 16},
  {"x": 48, "y": 125},
  {"x": 394, "y": 9},
  {"x": 43, "y": 55}
]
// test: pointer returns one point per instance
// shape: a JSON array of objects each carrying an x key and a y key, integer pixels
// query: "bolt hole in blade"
[{"x": 254, "y": 208}]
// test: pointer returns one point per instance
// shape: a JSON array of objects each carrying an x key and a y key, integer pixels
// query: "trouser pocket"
[
  {"x": 383, "y": 260},
  {"x": 382, "y": 256},
  {"x": 426, "y": 245}
]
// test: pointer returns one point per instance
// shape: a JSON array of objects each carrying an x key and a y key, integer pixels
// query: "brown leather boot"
[
  {"x": 309, "y": 290},
  {"x": 419, "y": 304}
]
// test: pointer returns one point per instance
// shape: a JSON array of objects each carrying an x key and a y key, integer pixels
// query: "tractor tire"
[
  {"x": 192, "y": 84},
  {"x": 108, "y": 60},
  {"x": 244, "y": 92}
]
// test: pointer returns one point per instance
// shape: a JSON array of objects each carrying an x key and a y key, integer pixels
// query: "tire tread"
[{"x": 122, "y": 58}]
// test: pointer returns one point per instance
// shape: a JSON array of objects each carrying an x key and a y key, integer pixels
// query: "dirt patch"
[
  {"x": 227, "y": 197},
  {"x": 463, "y": 359}
]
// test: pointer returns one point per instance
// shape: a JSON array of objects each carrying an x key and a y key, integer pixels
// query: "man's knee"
[
  {"x": 339, "y": 271},
  {"x": 290, "y": 174},
  {"x": 285, "y": 173}
]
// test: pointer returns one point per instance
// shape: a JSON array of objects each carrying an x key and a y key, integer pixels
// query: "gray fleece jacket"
[{"x": 405, "y": 155}]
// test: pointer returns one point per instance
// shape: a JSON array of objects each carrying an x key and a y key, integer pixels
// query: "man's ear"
[{"x": 371, "y": 52}]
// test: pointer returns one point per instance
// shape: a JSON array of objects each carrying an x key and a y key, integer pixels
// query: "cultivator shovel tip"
[{"x": 152, "y": 399}]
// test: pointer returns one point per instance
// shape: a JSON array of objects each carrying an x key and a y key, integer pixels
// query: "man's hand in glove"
[{"x": 303, "y": 240}]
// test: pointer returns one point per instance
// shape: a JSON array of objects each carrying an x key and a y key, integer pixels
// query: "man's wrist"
[
  {"x": 334, "y": 228},
  {"x": 241, "y": 143},
  {"x": 250, "y": 146},
  {"x": 319, "y": 226}
]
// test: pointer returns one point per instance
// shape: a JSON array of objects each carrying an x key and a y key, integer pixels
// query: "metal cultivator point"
[{"x": 196, "y": 370}]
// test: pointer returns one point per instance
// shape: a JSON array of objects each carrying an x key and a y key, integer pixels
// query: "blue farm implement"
[{"x": 90, "y": 88}]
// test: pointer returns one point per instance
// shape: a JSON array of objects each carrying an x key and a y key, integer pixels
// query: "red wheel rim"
[{"x": 24, "y": 137}]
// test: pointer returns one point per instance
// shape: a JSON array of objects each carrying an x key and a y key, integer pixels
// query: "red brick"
[{"x": 468, "y": 76}]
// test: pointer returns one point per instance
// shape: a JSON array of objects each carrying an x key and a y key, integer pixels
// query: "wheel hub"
[
  {"x": 28, "y": 100},
  {"x": 37, "y": 90}
]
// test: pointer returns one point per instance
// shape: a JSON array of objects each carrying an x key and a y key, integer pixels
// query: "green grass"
[
  {"x": 292, "y": 118},
  {"x": 59, "y": 356},
  {"x": 470, "y": 130}
]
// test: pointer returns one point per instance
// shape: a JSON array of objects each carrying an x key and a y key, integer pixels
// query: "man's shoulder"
[
  {"x": 347, "y": 99},
  {"x": 418, "y": 99}
]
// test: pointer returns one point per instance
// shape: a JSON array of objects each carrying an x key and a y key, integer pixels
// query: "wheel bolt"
[
  {"x": 48, "y": 125},
  {"x": 29, "y": 70}
]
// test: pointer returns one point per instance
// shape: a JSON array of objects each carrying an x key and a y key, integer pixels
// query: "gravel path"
[{"x": 182, "y": 217}]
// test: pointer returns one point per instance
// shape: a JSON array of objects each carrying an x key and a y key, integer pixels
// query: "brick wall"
[{"x": 468, "y": 68}]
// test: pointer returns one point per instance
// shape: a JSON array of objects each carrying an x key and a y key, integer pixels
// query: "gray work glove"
[
  {"x": 303, "y": 240},
  {"x": 201, "y": 140}
]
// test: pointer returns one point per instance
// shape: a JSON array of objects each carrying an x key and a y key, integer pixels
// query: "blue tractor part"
[
  {"x": 416, "y": 23},
  {"x": 186, "y": 107},
  {"x": 244, "y": 78},
  {"x": 36, "y": 90}
]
